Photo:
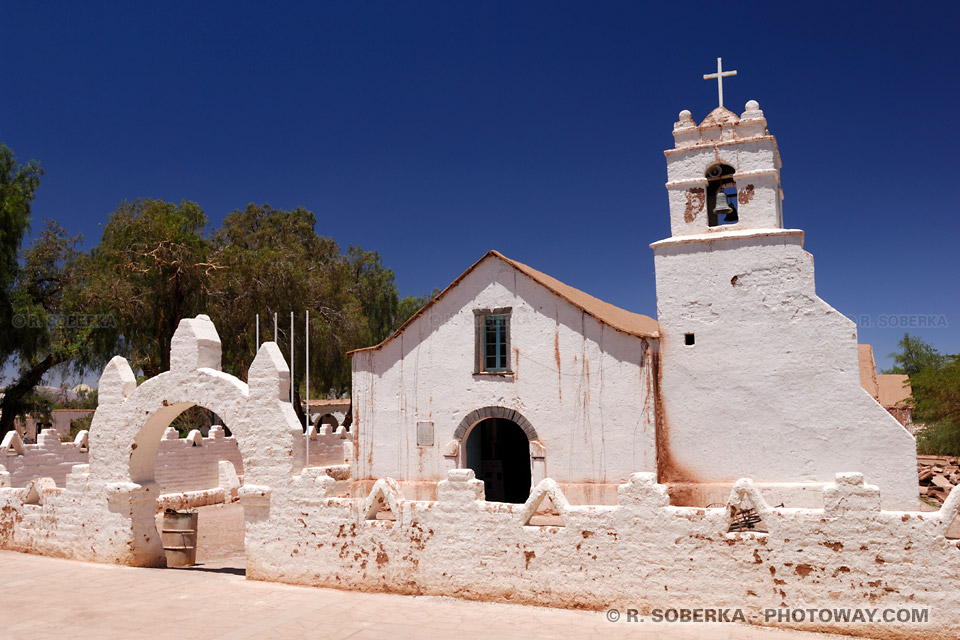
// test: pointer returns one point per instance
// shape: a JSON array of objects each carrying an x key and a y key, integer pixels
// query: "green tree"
[
  {"x": 150, "y": 271},
  {"x": 18, "y": 186},
  {"x": 935, "y": 401},
  {"x": 936, "y": 404},
  {"x": 410, "y": 305},
  {"x": 50, "y": 326},
  {"x": 273, "y": 261},
  {"x": 914, "y": 356}
]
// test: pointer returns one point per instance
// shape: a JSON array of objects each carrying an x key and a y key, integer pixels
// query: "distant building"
[{"x": 891, "y": 390}]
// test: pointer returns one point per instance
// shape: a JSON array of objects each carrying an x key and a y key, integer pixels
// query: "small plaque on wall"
[{"x": 424, "y": 433}]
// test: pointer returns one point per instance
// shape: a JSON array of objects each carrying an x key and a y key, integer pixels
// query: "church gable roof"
[{"x": 620, "y": 319}]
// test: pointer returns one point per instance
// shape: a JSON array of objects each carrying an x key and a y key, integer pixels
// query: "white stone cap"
[
  {"x": 725, "y": 233},
  {"x": 685, "y": 121},
  {"x": 752, "y": 111}
]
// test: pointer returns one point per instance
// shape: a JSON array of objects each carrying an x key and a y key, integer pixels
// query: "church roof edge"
[{"x": 615, "y": 317}]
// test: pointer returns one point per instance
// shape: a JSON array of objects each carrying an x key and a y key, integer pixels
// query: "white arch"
[{"x": 130, "y": 421}]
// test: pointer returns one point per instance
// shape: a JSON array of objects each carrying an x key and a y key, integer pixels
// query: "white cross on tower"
[{"x": 719, "y": 75}]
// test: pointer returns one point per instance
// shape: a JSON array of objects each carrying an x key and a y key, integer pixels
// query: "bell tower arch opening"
[{"x": 721, "y": 195}]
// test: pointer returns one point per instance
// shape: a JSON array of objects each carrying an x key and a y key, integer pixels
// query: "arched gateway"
[{"x": 130, "y": 420}]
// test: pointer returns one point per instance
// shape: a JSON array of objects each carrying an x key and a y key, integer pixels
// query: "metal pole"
[
  {"x": 306, "y": 365},
  {"x": 291, "y": 357},
  {"x": 257, "y": 339},
  {"x": 275, "y": 338}
]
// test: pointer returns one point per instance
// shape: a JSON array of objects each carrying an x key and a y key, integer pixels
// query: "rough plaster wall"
[
  {"x": 327, "y": 446},
  {"x": 642, "y": 552},
  {"x": 61, "y": 419},
  {"x": 771, "y": 389},
  {"x": 180, "y": 466},
  {"x": 586, "y": 388},
  {"x": 49, "y": 458}
]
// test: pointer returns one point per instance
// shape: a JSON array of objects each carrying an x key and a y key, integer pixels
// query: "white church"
[{"x": 744, "y": 373}]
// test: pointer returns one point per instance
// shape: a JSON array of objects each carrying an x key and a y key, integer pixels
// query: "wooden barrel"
[{"x": 179, "y": 538}]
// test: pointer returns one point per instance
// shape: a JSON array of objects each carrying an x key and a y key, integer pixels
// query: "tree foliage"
[
  {"x": 272, "y": 261},
  {"x": 18, "y": 186},
  {"x": 935, "y": 380},
  {"x": 410, "y": 305},
  {"x": 160, "y": 262},
  {"x": 149, "y": 271},
  {"x": 936, "y": 404},
  {"x": 50, "y": 325},
  {"x": 914, "y": 356}
]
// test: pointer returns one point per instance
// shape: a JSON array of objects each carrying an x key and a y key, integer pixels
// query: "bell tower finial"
[{"x": 719, "y": 75}]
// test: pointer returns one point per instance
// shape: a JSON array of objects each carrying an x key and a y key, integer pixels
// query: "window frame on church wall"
[{"x": 501, "y": 342}]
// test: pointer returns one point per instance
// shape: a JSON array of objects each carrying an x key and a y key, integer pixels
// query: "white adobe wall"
[
  {"x": 338, "y": 409},
  {"x": 771, "y": 388},
  {"x": 329, "y": 446},
  {"x": 183, "y": 466},
  {"x": 587, "y": 389},
  {"x": 49, "y": 458},
  {"x": 641, "y": 553},
  {"x": 180, "y": 465},
  {"x": 61, "y": 419}
]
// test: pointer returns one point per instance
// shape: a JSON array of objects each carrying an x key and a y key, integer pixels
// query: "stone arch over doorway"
[
  {"x": 130, "y": 420},
  {"x": 477, "y": 415}
]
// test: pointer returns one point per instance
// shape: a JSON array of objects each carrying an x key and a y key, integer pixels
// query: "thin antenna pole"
[
  {"x": 257, "y": 339},
  {"x": 291, "y": 357},
  {"x": 275, "y": 337},
  {"x": 306, "y": 364}
]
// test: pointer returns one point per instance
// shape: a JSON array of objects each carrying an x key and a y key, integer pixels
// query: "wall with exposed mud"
[{"x": 641, "y": 553}]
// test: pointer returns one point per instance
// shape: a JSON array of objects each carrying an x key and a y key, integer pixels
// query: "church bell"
[{"x": 722, "y": 206}]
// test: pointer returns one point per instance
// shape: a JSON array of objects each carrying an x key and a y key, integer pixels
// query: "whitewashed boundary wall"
[
  {"x": 329, "y": 445},
  {"x": 106, "y": 510},
  {"x": 49, "y": 458},
  {"x": 183, "y": 464},
  {"x": 192, "y": 464},
  {"x": 642, "y": 553}
]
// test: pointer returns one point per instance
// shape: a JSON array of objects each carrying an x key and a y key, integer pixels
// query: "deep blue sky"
[{"x": 434, "y": 131}]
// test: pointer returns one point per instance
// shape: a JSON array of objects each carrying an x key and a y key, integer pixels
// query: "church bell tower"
[{"x": 759, "y": 376}]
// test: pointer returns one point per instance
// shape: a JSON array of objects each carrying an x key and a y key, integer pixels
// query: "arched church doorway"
[{"x": 498, "y": 451}]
